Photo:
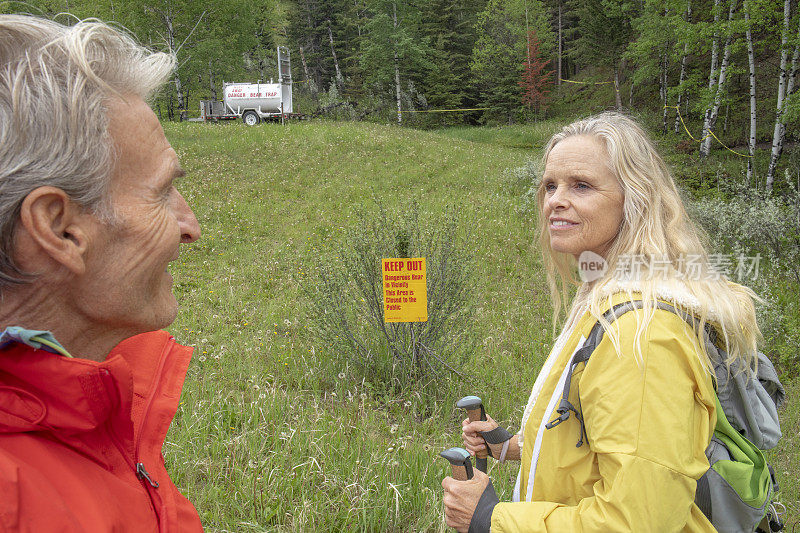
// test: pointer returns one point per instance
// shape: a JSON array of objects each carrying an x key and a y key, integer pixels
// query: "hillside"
[{"x": 278, "y": 432}]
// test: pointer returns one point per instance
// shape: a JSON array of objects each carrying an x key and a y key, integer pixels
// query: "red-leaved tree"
[{"x": 535, "y": 80}]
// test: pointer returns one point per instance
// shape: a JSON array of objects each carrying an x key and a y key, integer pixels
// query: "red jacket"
[{"x": 73, "y": 431}]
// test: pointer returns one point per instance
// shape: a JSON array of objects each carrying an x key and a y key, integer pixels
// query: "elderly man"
[{"x": 90, "y": 221}]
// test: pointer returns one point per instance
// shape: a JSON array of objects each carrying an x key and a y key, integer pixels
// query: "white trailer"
[{"x": 254, "y": 102}]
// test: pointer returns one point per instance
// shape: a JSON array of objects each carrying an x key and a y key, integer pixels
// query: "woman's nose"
[{"x": 558, "y": 198}]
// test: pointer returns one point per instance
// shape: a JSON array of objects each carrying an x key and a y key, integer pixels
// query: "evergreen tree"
[
  {"x": 500, "y": 50},
  {"x": 656, "y": 51},
  {"x": 449, "y": 25},
  {"x": 604, "y": 32},
  {"x": 394, "y": 54}
]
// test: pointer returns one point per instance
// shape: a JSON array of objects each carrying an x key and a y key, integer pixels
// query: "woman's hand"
[
  {"x": 461, "y": 498},
  {"x": 474, "y": 443}
]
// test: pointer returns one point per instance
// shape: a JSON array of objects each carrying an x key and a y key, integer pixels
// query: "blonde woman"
[{"x": 646, "y": 397}]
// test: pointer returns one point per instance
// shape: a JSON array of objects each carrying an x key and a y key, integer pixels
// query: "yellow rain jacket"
[{"x": 648, "y": 424}]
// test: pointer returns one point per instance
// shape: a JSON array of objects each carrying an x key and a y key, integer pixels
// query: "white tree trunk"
[
  {"x": 663, "y": 90},
  {"x": 305, "y": 66},
  {"x": 777, "y": 135},
  {"x": 751, "y": 145},
  {"x": 560, "y": 47},
  {"x": 630, "y": 96},
  {"x": 179, "y": 92},
  {"x": 397, "y": 71},
  {"x": 683, "y": 70},
  {"x": 705, "y": 147},
  {"x": 617, "y": 97},
  {"x": 339, "y": 78},
  {"x": 177, "y": 80},
  {"x": 712, "y": 77}
]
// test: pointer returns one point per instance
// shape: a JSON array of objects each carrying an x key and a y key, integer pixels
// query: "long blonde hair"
[{"x": 655, "y": 225}]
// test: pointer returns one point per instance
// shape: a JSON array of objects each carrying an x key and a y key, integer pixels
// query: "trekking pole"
[
  {"x": 460, "y": 464},
  {"x": 475, "y": 411}
]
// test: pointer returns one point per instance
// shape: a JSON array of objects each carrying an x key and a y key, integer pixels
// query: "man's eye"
[
  {"x": 582, "y": 185},
  {"x": 550, "y": 186}
]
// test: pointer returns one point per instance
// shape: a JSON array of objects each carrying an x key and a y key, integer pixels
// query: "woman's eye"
[
  {"x": 582, "y": 185},
  {"x": 549, "y": 186}
]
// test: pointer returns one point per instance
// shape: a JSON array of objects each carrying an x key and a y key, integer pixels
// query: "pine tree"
[
  {"x": 497, "y": 58},
  {"x": 604, "y": 29},
  {"x": 394, "y": 53},
  {"x": 449, "y": 26}
]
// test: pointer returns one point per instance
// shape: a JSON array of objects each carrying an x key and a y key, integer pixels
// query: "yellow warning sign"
[{"x": 405, "y": 292}]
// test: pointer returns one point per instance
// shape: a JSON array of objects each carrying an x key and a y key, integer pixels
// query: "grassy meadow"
[{"x": 276, "y": 431}]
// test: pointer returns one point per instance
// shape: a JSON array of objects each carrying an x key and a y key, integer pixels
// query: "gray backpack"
[{"x": 736, "y": 493}]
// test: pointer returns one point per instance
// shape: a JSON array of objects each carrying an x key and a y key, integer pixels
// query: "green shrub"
[
  {"x": 745, "y": 222},
  {"x": 346, "y": 298}
]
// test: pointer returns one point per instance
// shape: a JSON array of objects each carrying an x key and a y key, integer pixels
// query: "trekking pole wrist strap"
[
  {"x": 482, "y": 516},
  {"x": 498, "y": 435}
]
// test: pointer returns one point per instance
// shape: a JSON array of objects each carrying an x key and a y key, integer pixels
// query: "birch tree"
[
  {"x": 339, "y": 77},
  {"x": 682, "y": 76},
  {"x": 785, "y": 87},
  {"x": 715, "y": 82},
  {"x": 751, "y": 61},
  {"x": 176, "y": 24}
]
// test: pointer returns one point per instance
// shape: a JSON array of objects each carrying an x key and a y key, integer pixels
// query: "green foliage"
[
  {"x": 743, "y": 223},
  {"x": 450, "y": 28},
  {"x": 393, "y": 40},
  {"x": 500, "y": 50},
  {"x": 346, "y": 292},
  {"x": 231, "y": 41},
  {"x": 333, "y": 105},
  {"x": 656, "y": 29},
  {"x": 604, "y": 30},
  {"x": 311, "y": 27}
]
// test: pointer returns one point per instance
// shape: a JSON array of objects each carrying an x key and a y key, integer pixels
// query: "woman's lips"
[{"x": 561, "y": 224}]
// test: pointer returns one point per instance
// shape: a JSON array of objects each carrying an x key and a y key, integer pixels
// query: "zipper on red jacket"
[
  {"x": 141, "y": 472},
  {"x": 135, "y": 467}
]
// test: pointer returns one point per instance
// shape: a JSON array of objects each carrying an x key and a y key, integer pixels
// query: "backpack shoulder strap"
[{"x": 565, "y": 407}]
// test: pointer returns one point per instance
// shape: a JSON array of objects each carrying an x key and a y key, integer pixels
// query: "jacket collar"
[
  {"x": 672, "y": 291},
  {"x": 42, "y": 391}
]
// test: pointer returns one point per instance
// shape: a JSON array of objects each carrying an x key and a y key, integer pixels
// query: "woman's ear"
[{"x": 52, "y": 226}]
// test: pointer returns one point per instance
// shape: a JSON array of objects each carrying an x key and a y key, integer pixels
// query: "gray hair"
[{"x": 55, "y": 86}]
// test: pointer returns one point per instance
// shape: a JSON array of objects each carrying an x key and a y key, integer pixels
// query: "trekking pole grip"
[
  {"x": 460, "y": 463},
  {"x": 475, "y": 412}
]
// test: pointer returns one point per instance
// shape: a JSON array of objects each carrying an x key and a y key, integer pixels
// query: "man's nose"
[{"x": 187, "y": 222}]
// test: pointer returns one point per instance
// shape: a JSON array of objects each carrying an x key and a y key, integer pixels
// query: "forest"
[{"x": 726, "y": 68}]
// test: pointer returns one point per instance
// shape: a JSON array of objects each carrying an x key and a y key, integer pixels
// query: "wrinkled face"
[
  {"x": 128, "y": 259},
  {"x": 582, "y": 197}
]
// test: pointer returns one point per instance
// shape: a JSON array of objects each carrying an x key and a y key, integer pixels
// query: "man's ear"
[{"x": 55, "y": 226}]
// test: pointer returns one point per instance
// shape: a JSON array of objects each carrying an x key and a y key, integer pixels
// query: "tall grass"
[{"x": 272, "y": 433}]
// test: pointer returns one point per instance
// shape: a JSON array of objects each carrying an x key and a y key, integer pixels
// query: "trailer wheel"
[{"x": 251, "y": 118}]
